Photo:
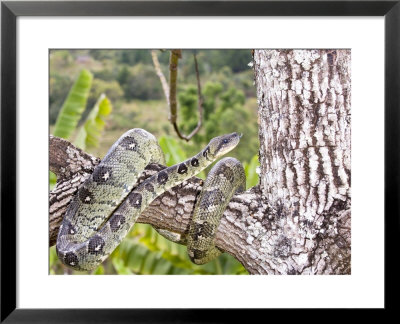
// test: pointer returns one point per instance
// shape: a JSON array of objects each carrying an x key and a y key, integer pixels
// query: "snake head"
[{"x": 221, "y": 145}]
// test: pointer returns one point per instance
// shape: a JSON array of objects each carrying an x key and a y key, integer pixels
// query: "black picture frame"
[{"x": 11, "y": 10}]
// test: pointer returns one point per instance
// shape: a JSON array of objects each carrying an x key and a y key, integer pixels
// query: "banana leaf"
[
  {"x": 73, "y": 106},
  {"x": 90, "y": 132}
]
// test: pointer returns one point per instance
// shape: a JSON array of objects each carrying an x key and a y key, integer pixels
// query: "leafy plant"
[
  {"x": 224, "y": 112},
  {"x": 144, "y": 251},
  {"x": 172, "y": 150},
  {"x": 251, "y": 171},
  {"x": 90, "y": 132},
  {"x": 71, "y": 112},
  {"x": 73, "y": 106},
  {"x": 174, "y": 153}
]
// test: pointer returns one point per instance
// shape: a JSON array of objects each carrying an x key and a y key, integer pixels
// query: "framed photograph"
[{"x": 129, "y": 104}]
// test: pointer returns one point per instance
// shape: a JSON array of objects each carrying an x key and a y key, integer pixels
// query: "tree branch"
[
  {"x": 160, "y": 74},
  {"x": 66, "y": 159},
  {"x": 173, "y": 79},
  {"x": 199, "y": 102},
  {"x": 170, "y": 92},
  {"x": 72, "y": 167}
]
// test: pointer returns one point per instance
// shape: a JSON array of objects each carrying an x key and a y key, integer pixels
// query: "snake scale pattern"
[{"x": 107, "y": 205}]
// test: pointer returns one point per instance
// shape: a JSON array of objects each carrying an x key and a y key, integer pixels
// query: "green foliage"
[
  {"x": 90, "y": 132},
  {"x": 99, "y": 271},
  {"x": 132, "y": 73},
  {"x": 133, "y": 57},
  {"x": 120, "y": 267},
  {"x": 102, "y": 54},
  {"x": 61, "y": 59},
  {"x": 215, "y": 61},
  {"x": 71, "y": 112},
  {"x": 237, "y": 60},
  {"x": 105, "y": 75},
  {"x": 52, "y": 259},
  {"x": 141, "y": 83},
  {"x": 111, "y": 89},
  {"x": 144, "y": 251},
  {"x": 250, "y": 169},
  {"x": 224, "y": 112},
  {"x": 73, "y": 106},
  {"x": 123, "y": 75},
  {"x": 173, "y": 152},
  {"x": 59, "y": 86},
  {"x": 52, "y": 180}
]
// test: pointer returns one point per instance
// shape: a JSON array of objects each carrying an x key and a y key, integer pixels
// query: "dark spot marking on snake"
[
  {"x": 149, "y": 187},
  {"x": 227, "y": 172},
  {"x": 129, "y": 143},
  {"x": 101, "y": 174},
  {"x": 96, "y": 245},
  {"x": 71, "y": 259},
  {"x": 198, "y": 254},
  {"x": 72, "y": 231},
  {"x": 85, "y": 195},
  {"x": 212, "y": 198},
  {"x": 72, "y": 209},
  {"x": 206, "y": 151},
  {"x": 91, "y": 219},
  {"x": 200, "y": 230},
  {"x": 220, "y": 145},
  {"x": 135, "y": 199},
  {"x": 194, "y": 162},
  {"x": 162, "y": 177},
  {"x": 182, "y": 168},
  {"x": 155, "y": 167},
  {"x": 67, "y": 228},
  {"x": 111, "y": 203},
  {"x": 116, "y": 221}
]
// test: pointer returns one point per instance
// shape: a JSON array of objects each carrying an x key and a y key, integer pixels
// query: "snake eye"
[{"x": 225, "y": 141}]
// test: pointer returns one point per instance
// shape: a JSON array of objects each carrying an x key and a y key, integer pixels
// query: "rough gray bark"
[
  {"x": 304, "y": 116},
  {"x": 298, "y": 220},
  {"x": 72, "y": 167}
]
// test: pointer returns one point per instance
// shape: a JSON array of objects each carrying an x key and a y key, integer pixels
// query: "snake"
[{"x": 107, "y": 204}]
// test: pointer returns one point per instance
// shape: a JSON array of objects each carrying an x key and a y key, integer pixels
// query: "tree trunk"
[
  {"x": 304, "y": 115},
  {"x": 297, "y": 221}
]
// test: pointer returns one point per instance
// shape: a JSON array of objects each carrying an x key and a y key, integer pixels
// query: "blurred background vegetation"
[{"x": 97, "y": 95}]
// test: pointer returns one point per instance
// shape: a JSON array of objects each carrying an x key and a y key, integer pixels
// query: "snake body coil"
[{"x": 106, "y": 205}]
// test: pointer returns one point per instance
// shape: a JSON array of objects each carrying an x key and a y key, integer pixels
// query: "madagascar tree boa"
[{"x": 106, "y": 205}]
